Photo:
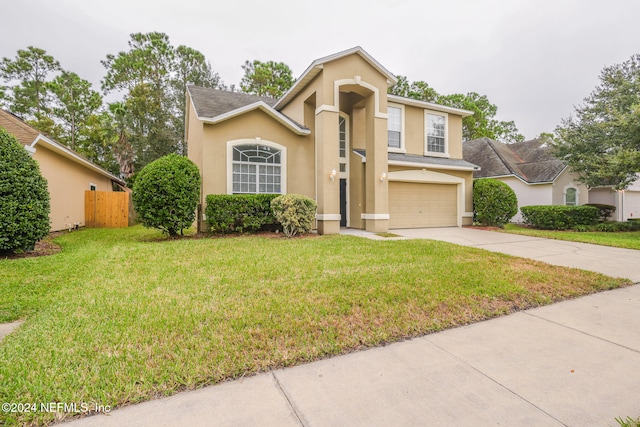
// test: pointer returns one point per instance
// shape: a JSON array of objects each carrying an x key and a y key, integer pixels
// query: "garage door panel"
[{"x": 415, "y": 205}]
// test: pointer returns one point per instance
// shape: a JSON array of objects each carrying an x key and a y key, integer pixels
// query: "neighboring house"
[
  {"x": 370, "y": 160},
  {"x": 67, "y": 173},
  {"x": 530, "y": 169},
  {"x": 627, "y": 202}
]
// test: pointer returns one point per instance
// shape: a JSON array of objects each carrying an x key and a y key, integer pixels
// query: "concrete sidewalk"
[{"x": 574, "y": 363}]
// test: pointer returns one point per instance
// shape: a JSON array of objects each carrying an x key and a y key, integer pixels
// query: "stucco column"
[
  {"x": 376, "y": 215},
  {"x": 328, "y": 187}
]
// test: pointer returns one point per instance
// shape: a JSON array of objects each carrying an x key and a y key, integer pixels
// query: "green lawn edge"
[{"x": 623, "y": 239}]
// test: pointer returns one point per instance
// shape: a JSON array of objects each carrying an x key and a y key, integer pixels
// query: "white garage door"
[
  {"x": 631, "y": 204},
  {"x": 416, "y": 205}
]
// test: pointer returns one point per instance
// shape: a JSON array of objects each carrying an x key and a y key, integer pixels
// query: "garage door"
[
  {"x": 631, "y": 204},
  {"x": 415, "y": 205}
]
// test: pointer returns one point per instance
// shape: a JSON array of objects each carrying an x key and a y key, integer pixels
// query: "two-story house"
[{"x": 371, "y": 160}]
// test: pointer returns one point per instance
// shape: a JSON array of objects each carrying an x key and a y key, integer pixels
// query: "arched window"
[
  {"x": 257, "y": 169},
  {"x": 571, "y": 197}
]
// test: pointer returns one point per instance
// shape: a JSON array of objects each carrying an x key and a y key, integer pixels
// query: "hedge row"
[
  {"x": 560, "y": 217},
  {"x": 292, "y": 213},
  {"x": 605, "y": 210},
  {"x": 239, "y": 212}
]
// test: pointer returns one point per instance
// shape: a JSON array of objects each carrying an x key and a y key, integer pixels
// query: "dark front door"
[{"x": 343, "y": 202}]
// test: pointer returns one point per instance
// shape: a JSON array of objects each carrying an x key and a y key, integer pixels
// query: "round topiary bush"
[
  {"x": 166, "y": 194},
  {"x": 24, "y": 197},
  {"x": 494, "y": 202}
]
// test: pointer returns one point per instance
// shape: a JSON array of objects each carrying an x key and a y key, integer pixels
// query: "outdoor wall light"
[
  {"x": 383, "y": 176},
  {"x": 332, "y": 175}
]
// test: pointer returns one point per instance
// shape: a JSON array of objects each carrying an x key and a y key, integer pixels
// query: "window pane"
[
  {"x": 394, "y": 127},
  {"x": 570, "y": 197},
  {"x": 394, "y": 139},
  {"x": 436, "y": 133},
  {"x": 394, "y": 122},
  {"x": 342, "y": 137},
  {"x": 255, "y": 169}
]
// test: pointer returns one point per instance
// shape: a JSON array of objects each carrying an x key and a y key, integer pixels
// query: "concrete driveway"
[{"x": 615, "y": 262}]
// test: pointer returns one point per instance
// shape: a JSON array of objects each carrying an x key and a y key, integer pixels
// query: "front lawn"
[
  {"x": 122, "y": 316},
  {"x": 623, "y": 239}
]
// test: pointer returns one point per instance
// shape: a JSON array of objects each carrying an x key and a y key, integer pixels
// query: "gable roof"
[
  {"x": 24, "y": 133},
  {"x": 29, "y": 137},
  {"x": 210, "y": 102},
  {"x": 531, "y": 161},
  {"x": 316, "y": 66},
  {"x": 214, "y": 106}
]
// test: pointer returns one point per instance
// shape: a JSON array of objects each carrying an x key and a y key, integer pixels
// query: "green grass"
[
  {"x": 122, "y": 316},
  {"x": 628, "y": 422},
  {"x": 626, "y": 239}
]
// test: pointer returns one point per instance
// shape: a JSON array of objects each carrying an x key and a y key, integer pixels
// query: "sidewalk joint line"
[
  {"x": 497, "y": 382},
  {"x": 291, "y": 405},
  {"x": 582, "y": 332}
]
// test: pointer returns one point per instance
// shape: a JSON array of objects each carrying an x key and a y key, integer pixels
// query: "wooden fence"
[{"x": 108, "y": 209}]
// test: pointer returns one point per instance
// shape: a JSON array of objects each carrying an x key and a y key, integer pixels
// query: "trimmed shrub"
[
  {"x": 24, "y": 197},
  {"x": 614, "y": 226},
  {"x": 166, "y": 193},
  {"x": 239, "y": 213},
  {"x": 494, "y": 202},
  {"x": 559, "y": 217},
  {"x": 605, "y": 210},
  {"x": 635, "y": 223},
  {"x": 295, "y": 213}
]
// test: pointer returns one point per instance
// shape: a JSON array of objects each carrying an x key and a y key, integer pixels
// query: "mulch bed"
[{"x": 42, "y": 248}]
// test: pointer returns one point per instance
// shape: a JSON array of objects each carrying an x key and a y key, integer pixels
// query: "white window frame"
[
  {"x": 564, "y": 194},
  {"x": 426, "y": 135},
  {"x": 345, "y": 159},
  {"x": 257, "y": 141},
  {"x": 402, "y": 148},
  {"x": 93, "y": 187}
]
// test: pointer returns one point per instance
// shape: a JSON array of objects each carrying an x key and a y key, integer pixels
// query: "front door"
[{"x": 343, "y": 202}]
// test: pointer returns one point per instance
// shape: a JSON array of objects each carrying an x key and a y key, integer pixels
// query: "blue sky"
[{"x": 534, "y": 59}]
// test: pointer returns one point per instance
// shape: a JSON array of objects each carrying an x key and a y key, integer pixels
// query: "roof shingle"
[
  {"x": 24, "y": 133},
  {"x": 211, "y": 103},
  {"x": 531, "y": 161}
]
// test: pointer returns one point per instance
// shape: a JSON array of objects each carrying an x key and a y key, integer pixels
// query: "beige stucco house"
[
  {"x": 67, "y": 173},
  {"x": 535, "y": 175},
  {"x": 371, "y": 160}
]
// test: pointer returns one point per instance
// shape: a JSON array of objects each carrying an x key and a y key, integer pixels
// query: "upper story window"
[
  {"x": 343, "y": 144},
  {"x": 436, "y": 138},
  {"x": 395, "y": 127},
  {"x": 257, "y": 169},
  {"x": 342, "y": 137},
  {"x": 571, "y": 197}
]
